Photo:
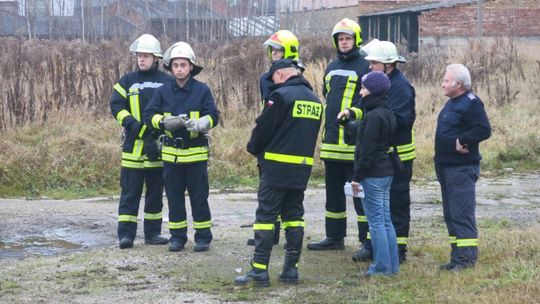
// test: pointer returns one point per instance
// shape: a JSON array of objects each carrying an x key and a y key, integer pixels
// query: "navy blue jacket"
[
  {"x": 194, "y": 99},
  {"x": 342, "y": 84},
  {"x": 265, "y": 85},
  {"x": 285, "y": 136},
  {"x": 461, "y": 117},
  {"x": 401, "y": 99}
]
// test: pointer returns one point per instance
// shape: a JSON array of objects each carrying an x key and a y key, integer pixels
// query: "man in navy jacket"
[{"x": 461, "y": 126}]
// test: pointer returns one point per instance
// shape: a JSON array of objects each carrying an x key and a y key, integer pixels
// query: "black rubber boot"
[
  {"x": 289, "y": 274},
  {"x": 363, "y": 255},
  {"x": 402, "y": 253},
  {"x": 200, "y": 247},
  {"x": 176, "y": 245},
  {"x": 259, "y": 278},
  {"x": 126, "y": 243},
  {"x": 156, "y": 240},
  {"x": 327, "y": 244}
]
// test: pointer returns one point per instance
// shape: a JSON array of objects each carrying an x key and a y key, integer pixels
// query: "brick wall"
[
  {"x": 372, "y": 6},
  {"x": 499, "y": 18}
]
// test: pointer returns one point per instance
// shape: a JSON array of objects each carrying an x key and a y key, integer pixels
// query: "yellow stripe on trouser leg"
[
  {"x": 259, "y": 226},
  {"x": 153, "y": 216},
  {"x": 467, "y": 242},
  {"x": 294, "y": 224},
  {"x": 177, "y": 225},
  {"x": 259, "y": 266},
  {"x": 202, "y": 225},
  {"x": 336, "y": 215},
  {"x": 127, "y": 218},
  {"x": 402, "y": 240},
  {"x": 362, "y": 219}
]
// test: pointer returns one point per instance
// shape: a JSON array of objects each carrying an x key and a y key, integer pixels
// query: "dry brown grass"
[{"x": 57, "y": 92}]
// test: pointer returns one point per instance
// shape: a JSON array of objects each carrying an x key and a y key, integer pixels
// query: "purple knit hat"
[{"x": 376, "y": 82}]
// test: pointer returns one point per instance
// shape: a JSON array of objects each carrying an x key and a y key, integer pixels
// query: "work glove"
[
  {"x": 133, "y": 127},
  {"x": 173, "y": 123},
  {"x": 151, "y": 149},
  {"x": 198, "y": 125}
]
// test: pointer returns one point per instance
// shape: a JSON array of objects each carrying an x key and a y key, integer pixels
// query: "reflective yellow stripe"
[
  {"x": 402, "y": 240},
  {"x": 358, "y": 113},
  {"x": 127, "y": 218},
  {"x": 327, "y": 79},
  {"x": 452, "y": 240},
  {"x": 294, "y": 224},
  {"x": 132, "y": 164},
  {"x": 122, "y": 115},
  {"x": 134, "y": 103},
  {"x": 467, "y": 242},
  {"x": 338, "y": 148},
  {"x": 193, "y": 115},
  {"x": 178, "y": 225},
  {"x": 259, "y": 266},
  {"x": 336, "y": 215},
  {"x": 141, "y": 132},
  {"x": 407, "y": 156},
  {"x": 153, "y": 216},
  {"x": 368, "y": 236},
  {"x": 278, "y": 219},
  {"x": 290, "y": 159},
  {"x": 190, "y": 155},
  {"x": 337, "y": 156},
  {"x": 362, "y": 219},
  {"x": 260, "y": 226},
  {"x": 211, "y": 121},
  {"x": 118, "y": 88},
  {"x": 156, "y": 119},
  {"x": 152, "y": 164},
  {"x": 202, "y": 225}
]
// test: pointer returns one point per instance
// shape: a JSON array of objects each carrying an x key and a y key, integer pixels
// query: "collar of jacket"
[
  {"x": 394, "y": 73},
  {"x": 186, "y": 87},
  {"x": 154, "y": 68},
  {"x": 349, "y": 55},
  {"x": 373, "y": 101},
  {"x": 461, "y": 95},
  {"x": 293, "y": 80}
]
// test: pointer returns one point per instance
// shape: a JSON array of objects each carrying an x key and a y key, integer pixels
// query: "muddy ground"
[{"x": 63, "y": 230}]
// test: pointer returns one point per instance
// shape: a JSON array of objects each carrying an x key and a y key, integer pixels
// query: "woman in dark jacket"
[{"x": 373, "y": 171}]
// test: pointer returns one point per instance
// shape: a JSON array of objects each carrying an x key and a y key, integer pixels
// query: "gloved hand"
[
  {"x": 198, "y": 125},
  {"x": 173, "y": 123},
  {"x": 151, "y": 149},
  {"x": 133, "y": 127}
]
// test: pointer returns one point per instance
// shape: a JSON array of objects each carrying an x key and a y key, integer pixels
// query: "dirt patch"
[{"x": 62, "y": 233}]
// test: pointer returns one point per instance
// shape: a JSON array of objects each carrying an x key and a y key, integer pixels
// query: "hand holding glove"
[
  {"x": 173, "y": 123},
  {"x": 198, "y": 125}
]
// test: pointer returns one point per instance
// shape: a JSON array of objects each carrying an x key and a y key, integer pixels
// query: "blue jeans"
[{"x": 383, "y": 236}]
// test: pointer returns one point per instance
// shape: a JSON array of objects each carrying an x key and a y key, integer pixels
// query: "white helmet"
[
  {"x": 369, "y": 46},
  {"x": 385, "y": 52},
  {"x": 146, "y": 44},
  {"x": 181, "y": 50}
]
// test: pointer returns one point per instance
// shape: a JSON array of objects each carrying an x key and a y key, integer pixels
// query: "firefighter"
[
  {"x": 185, "y": 110},
  {"x": 462, "y": 125},
  {"x": 141, "y": 162},
  {"x": 282, "y": 44},
  {"x": 341, "y": 89},
  {"x": 383, "y": 57},
  {"x": 283, "y": 141}
]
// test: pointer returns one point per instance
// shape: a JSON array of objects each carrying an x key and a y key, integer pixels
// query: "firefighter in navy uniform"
[
  {"x": 341, "y": 89},
  {"x": 283, "y": 141},
  {"x": 141, "y": 162},
  {"x": 383, "y": 57},
  {"x": 185, "y": 110},
  {"x": 282, "y": 44}
]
